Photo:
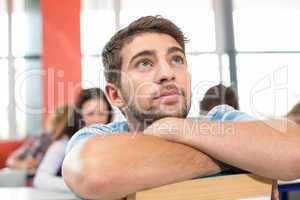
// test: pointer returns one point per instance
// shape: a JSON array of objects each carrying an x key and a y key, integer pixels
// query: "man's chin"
[{"x": 164, "y": 114}]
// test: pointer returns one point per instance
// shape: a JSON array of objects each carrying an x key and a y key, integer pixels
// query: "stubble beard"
[{"x": 152, "y": 114}]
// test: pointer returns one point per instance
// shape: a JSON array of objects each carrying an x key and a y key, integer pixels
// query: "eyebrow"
[
  {"x": 142, "y": 53},
  {"x": 175, "y": 49}
]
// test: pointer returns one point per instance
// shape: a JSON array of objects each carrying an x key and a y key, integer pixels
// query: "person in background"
[
  {"x": 218, "y": 95},
  {"x": 48, "y": 175},
  {"x": 92, "y": 107},
  {"x": 29, "y": 155},
  {"x": 294, "y": 113}
]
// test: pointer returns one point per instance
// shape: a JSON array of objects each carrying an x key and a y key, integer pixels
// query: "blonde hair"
[{"x": 60, "y": 116}]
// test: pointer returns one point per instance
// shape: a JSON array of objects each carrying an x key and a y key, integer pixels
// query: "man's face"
[
  {"x": 155, "y": 81},
  {"x": 94, "y": 111}
]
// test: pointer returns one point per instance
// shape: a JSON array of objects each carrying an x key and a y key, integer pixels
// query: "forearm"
[
  {"x": 270, "y": 149},
  {"x": 114, "y": 166},
  {"x": 16, "y": 163}
]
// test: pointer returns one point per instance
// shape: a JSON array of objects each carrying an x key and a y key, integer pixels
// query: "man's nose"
[{"x": 164, "y": 73}]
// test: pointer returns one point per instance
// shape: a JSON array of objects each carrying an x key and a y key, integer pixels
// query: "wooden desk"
[
  {"x": 232, "y": 187},
  {"x": 28, "y": 193}
]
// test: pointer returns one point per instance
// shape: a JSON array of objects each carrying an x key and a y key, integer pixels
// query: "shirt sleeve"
[
  {"x": 45, "y": 177},
  {"x": 87, "y": 132},
  {"x": 228, "y": 113}
]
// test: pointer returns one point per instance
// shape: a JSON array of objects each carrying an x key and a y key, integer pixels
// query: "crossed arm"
[
  {"x": 114, "y": 166},
  {"x": 267, "y": 148}
]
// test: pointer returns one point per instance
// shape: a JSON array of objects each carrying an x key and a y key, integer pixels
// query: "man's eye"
[
  {"x": 144, "y": 64},
  {"x": 177, "y": 60}
]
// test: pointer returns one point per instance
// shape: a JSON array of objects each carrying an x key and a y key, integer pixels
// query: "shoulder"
[
  {"x": 227, "y": 113},
  {"x": 96, "y": 129}
]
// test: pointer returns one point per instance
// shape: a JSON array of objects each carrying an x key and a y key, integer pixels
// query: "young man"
[{"x": 148, "y": 79}]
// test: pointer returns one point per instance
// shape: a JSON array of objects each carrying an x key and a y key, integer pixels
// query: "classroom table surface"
[
  {"x": 29, "y": 193},
  {"x": 289, "y": 182}
]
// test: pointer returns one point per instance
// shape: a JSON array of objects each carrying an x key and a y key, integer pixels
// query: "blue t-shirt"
[{"x": 218, "y": 113}]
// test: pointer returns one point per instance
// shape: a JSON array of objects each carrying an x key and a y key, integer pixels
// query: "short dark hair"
[
  {"x": 90, "y": 94},
  {"x": 111, "y": 57},
  {"x": 295, "y": 110},
  {"x": 218, "y": 95}
]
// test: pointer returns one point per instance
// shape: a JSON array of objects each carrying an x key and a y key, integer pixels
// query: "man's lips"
[{"x": 167, "y": 93}]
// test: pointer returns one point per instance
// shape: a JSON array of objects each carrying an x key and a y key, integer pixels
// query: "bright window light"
[{"x": 268, "y": 83}]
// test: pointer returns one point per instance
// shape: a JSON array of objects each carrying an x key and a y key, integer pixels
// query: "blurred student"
[
  {"x": 29, "y": 155},
  {"x": 92, "y": 107},
  {"x": 218, "y": 95},
  {"x": 48, "y": 175},
  {"x": 294, "y": 114}
]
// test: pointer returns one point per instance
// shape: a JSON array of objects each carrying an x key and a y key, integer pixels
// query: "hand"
[
  {"x": 29, "y": 163},
  {"x": 168, "y": 128}
]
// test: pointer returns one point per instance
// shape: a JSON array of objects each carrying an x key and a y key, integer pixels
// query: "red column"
[{"x": 61, "y": 55}]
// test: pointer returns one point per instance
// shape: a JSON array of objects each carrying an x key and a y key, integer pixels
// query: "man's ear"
[{"x": 114, "y": 95}]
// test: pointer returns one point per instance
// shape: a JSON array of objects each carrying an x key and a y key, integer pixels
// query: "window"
[
  {"x": 26, "y": 50},
  {"x": 28, "y": 79},
  {"x": 102, "y": 24},
  {"x": 268, "y": 25},
  {"x": 19, "y": 56},
  {"x": 268, "y": 47},
  {"x": 92, "y": 75},
  {"x": 4, "y": 99},
  {"x": 4, "y": 70},
  {"x": 201, "y": 32},
  {"x": 269, "y": 83},
  {"x": 97, "y": 26},
  {"x": 4, "y": 30},
  {"x": 202, "y": 79}
]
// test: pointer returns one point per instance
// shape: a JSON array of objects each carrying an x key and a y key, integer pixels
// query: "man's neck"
[{"x": 136, "y": 125}]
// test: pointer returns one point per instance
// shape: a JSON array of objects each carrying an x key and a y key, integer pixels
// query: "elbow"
[
  {"x": 292, "y": 169},
  {"x": 290, "y": 161},
  {"x": 291, "y": 173},
  {"x": 88, "y": 176},
  {"x": 88, "y": 184},
  {"x": 294, "y": 161},
  {"x": 96, "y": 187},
  {"x": 295, "y": 168}
]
